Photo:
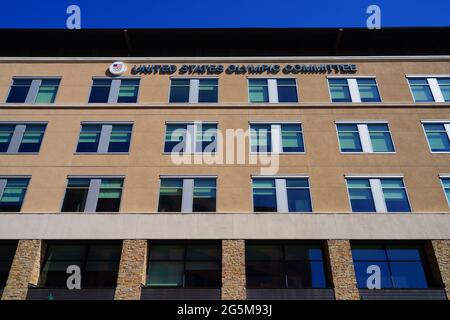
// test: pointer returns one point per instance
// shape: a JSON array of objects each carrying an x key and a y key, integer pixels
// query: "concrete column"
[
  {"x": 342, "y": 271},
  {"x": 233, "y": 270},
  {"x": 441, "y": 250},
  {"x": 132, "y": 270},
  {"x": 25, "y": 269}
]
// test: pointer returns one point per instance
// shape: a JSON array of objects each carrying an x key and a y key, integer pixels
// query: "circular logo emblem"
[{"x": 117, "y": 68}]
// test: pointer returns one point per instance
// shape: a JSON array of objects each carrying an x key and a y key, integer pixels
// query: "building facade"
[{"x": 342, "y": 184}]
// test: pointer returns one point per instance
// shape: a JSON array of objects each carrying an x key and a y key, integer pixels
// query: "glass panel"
[
  {"x": 299, "y": 200},
  {"x": 339, "y": 90},
  {"x": 76, "y": 195},
  {"x": 19, "y": 91},
  {"x": 7, "y": 251},
  {"x": 304, "y": 274},
  {"x": 264, "y": 200},
  {"x": 362, "y": 275},
  {"x": 47, "y": 91},
  {"x": 179, "y": 90},
  {"x": 395, "y": 195},
  {"x": 167, "y": 252},
  {"x": 349, "y": 140},
  {"x": 89, "y": 138},
  {"x": 109, "y": 195},
  {"x": 100, "y": 91},
  {"x": 13, "y": 195},
  {"x": 403, "y": 253},
  {"x": 208, "y": 90},
  {"x": 110, "y": 252},
  {"x": 175, "y": 137},
  {"x": 408, "y": 275},
  {"x": 303, "y": 252},
  {"x": 421, "y": 90},
  {"x": 258, "y": 90},
  {"x": 380, "y": 138},
  {"x": 260, "y": 138},
  {"x": 264, "y": 252},
  {"x": 287, "y": 90},
  {"x": 439, "y": 141},
  {"x": 373, "y": 252},
  {"x": 361, "y": 197},
  {"x": 6, "y": 133},
  {"x": 265, "y": 275},
  {"x": 120, "y": 138},
  {"x": 32, "y": 138},
  {"x": 204, "y": 195},
  {"x": 368, "y": 90},
  {"x": 165, "y": 273},
  {"x": 444, "y": 84},
  {"x": 57, "y": 252},
  {"x": 206, "y": 139},
  {"x": 202, "y": 252},
  {"x": 292, "y": 138},
  {"x": 202, "y": 275},
  {"x": 128, "y": 91},
  {"x": 170, "y": 195}
]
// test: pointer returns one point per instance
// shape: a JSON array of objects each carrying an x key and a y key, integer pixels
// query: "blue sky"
[{"x": 222, "y": 13}]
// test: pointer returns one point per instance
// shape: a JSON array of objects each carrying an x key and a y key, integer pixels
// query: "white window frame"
[
  {"x": 114, "y": 89},
  {"x": 272, "y": 89},
  {"x": 36, "y": 82},
  {"x": 276, "y": 139},
  {"x": 187, "y": 194},
  {"x": 446, "y": 124},
  {"x": 377, "y": 191},
  {"x": 444, "y": 176},
  {"x": 4, "y": 180},
  {"x": 19, "y": 131},
  {"x": 105, "y": 136},
  {"x": 352, "y": 82},
  {"x": 281, "y": 191},
  {"x": 191, "y": 134},
  {"x": 432, "y": 81},
  {"x": 194, "y": 89},
  {"x": 364, "y": 136},
  {"x": 93, "y": 192}
]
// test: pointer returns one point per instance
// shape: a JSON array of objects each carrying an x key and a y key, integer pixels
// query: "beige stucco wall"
[{"x": 322, "y": 161}]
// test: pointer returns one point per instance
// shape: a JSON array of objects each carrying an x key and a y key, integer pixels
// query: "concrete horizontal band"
[{"x": 409, "y": 226}]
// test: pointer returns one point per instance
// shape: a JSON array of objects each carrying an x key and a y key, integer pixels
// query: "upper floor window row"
[{"x": 37, "y": 90}]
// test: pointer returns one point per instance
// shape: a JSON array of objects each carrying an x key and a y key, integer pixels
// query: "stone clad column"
[
  {"x": 233, "y": 270},
  {"x": 342, "y": 271},
  {"x": 441, "y": 250},
  {"x": 132, "y": 270},
  {"x": 25, "y": 269}
]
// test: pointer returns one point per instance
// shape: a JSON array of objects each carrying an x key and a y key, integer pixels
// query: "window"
[
  {"x": 281, "y": 195},
  {"x": 104, "y": 138},
  {"x": 401, "y": 266},
  {"x": 187, "y": 195},
  {"x": 12, "y": 193},
  {"x": 276, "y": 138},
  {"x": 446, "y": 184},
  {"x": 193, "y": 264},
  {"x": 114, "y": 91},
  {"x": 430, "y": 89},
  {"x": 21, "y": 137},
  {"x": 180, "y": 137},
  {"x": 354, "y": 90},
  {"x": 438, "y": 136},
  {"x": 31, "y": 91},
  {"x": 7, "y": 252},
  {"x": 193, "y": 90},
  {"x": 378, "y": 195},
  {"x": 93, "y": 195},
  {"x": 99, "y": 264},
  {"x": 364, "y": 137},
  {"x": 288, "y": 265},
  {"x": 272, "y": 90}
]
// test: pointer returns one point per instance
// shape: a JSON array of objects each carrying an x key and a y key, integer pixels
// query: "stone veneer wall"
[
  {"x": 342, "y": 272},
  {"x": 442, "y": 254},
  {"x": 25, "y": 269},
  {"x": 233, "y": 270},
  {"x": 132, "y": 270}
]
